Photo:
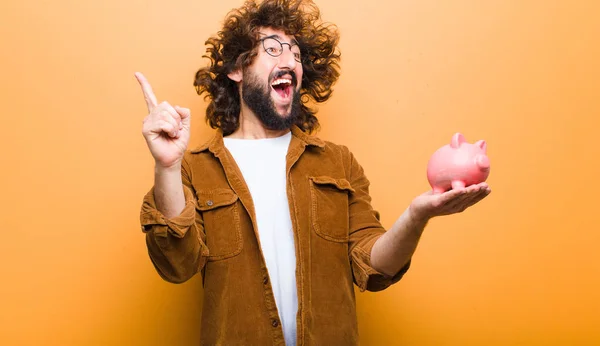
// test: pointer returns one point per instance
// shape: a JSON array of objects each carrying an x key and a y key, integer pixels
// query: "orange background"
[{"x": 521, "y": 268}]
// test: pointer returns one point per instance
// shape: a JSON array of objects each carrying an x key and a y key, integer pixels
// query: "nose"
[
  {"x": 483, "y": 162},
  {"x": 286, "y": 59}
]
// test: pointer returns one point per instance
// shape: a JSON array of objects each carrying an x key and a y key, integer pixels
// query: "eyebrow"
[{"x": 293, "y": 41}]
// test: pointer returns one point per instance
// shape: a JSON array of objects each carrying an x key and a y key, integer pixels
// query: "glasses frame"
[{"x": 290, "y": 45}]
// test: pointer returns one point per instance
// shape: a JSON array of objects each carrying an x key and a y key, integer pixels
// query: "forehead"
[{"x": 278, "y": 34}]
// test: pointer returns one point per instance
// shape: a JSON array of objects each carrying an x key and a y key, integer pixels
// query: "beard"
[{"x": 260, "y": 102}]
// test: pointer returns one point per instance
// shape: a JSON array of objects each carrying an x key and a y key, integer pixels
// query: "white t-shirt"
[{"x": 263, "y": 165}]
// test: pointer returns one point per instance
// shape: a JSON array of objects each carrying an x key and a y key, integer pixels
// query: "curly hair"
[{"x": 234, "y": 47}]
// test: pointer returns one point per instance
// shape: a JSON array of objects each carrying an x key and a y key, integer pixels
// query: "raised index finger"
[{"x": 147, "y": 90}]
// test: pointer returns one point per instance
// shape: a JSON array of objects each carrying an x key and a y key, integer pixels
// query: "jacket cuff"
[
  {"x": 368, "y": 278},
  {"x": 153, "y": 220}
]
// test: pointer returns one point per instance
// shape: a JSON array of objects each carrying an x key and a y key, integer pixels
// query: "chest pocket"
[
  {"x": 329, "y": 209},
  {"x": 222, "y": 227}
]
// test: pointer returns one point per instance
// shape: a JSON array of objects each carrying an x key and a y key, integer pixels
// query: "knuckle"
[
  {"x": 154, "y": 113},
  {"x": 164, "y": 114}
]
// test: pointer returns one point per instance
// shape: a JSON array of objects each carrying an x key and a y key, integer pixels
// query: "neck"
[{"x": 252, "y": 128}]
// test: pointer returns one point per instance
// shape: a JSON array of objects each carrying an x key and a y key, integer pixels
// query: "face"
[{"x": 271, "y": 84}]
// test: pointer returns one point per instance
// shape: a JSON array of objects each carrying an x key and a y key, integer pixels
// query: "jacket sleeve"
[
  {"x": 365, "y": 229},
  {"x": 176, "y": 246}
]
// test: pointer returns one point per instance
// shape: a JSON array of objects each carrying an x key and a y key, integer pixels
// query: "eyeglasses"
[{"x": 274, "y": 47}]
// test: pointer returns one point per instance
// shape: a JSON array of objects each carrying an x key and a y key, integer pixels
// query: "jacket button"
[
  {"x": 209, "y": 202},
  {"x": 275, "y": 323},
  {"x": 266, "y": 280}
]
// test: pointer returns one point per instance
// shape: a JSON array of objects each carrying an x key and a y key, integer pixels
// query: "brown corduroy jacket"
[{"x": 334, "y": 227}]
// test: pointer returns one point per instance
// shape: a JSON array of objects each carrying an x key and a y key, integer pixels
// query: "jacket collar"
[{"x": 215, "y": 144}]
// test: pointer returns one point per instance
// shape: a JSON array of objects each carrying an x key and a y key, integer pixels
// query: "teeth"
[{"x": 279, "y": 81}]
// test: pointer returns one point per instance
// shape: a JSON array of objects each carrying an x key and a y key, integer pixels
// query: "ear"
[
  {"x": 482, "y": 144},
  {"x": 235, "y": 75},
  {"x": 457, "y": 140}
]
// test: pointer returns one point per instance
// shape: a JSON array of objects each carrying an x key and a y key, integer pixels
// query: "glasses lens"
[
  {"x": 296, "y": 51},
  {"x": 272, "y": 46}
]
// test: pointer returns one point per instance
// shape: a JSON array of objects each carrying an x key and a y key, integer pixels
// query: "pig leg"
[
  {"x": 438, "y": 189},
  {"x": 457, "y": 184}
]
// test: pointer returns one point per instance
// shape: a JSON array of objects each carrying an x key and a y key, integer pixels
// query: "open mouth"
[{"x": 283, "y": 87}]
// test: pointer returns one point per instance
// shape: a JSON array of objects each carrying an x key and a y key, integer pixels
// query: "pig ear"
[
  {"x": 457, "y": 140},
  {"x": 481, "y": 144}
]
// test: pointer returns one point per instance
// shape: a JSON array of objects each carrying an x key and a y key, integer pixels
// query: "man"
[{"x": 277, "y": 221}]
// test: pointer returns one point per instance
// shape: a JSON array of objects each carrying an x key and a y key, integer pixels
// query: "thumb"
[{"x": 185, "y": 115}]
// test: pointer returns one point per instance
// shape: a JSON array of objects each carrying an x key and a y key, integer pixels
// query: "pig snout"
[{"x": 482, "y": 162}]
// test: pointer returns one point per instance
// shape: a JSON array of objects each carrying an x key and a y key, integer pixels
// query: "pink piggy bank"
[{"x": 458, "y": 164}]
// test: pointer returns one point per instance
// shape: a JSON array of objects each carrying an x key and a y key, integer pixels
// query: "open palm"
[{"x": 430, "y": 204}]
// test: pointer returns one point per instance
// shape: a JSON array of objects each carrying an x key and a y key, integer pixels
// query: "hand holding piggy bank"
[{"x": 458, "y": 164}]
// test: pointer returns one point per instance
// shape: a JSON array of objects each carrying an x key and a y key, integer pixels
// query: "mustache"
[{"x": 282, "y": 73}]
